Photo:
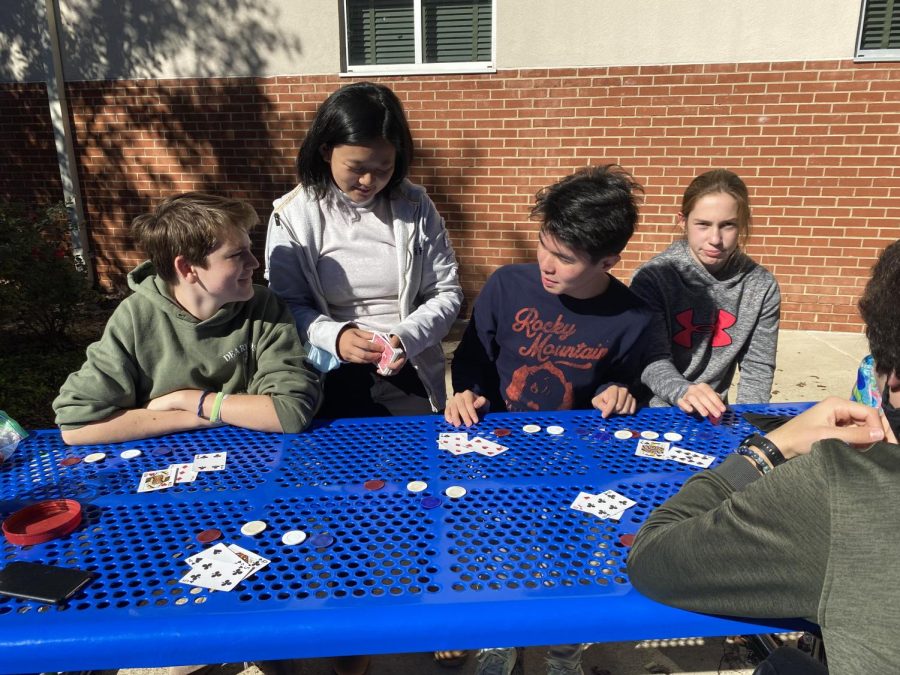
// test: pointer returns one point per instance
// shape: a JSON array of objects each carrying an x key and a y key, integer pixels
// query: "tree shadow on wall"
[{"x": 139, "y": 139}]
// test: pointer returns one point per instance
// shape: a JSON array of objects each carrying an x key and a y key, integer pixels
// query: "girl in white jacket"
[{"x": 357, "y": 249}]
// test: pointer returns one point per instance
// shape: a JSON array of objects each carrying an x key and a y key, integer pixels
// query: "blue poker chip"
[
  {"x": 321, "y": 540},
  {"x": 162, "y": 450},
  {"x": 430, "y": 502}
]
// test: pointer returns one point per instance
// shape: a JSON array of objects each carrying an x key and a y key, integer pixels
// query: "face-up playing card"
[
  {"x": 184, "y": 473},
  {"x": 216, "y": 575},
  {"x": 655, "y": 449},
  {"x": 685, "y": 456},
  {"x": 455, "y": 444},
  {"x": 487, "y": 448},
  {"x": 585, "y": 502},
  {"x": 219, "y": 553},
  {"x": 156, "y": 480},
  {"x": 211, "y": 461},
  {"x": 256, "y": 562}
]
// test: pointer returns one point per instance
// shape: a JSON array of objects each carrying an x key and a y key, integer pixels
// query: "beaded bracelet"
[
  {"x": 753, "y": 455},
  {"x": 206, "y": 392},
  {"x": 214, "y": 417}
]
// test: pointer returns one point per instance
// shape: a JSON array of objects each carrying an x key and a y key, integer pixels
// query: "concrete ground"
[{"x": 810, "y": 366}]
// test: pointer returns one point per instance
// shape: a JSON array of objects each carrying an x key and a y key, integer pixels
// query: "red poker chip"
[
  {"x": 373, "y": 484},
  {"x": 70, "y": 461},
  {"x": 501, "y": 432},
  {"x": 626, "y": 539},
  {"x": 42, "y": 522},
  {"x": 209, "y": 536}
]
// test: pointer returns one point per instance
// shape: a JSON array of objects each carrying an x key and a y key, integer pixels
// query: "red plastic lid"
[{"x": 42, "y": 522}]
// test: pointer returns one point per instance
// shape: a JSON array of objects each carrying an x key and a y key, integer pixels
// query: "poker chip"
[
  {"x": 622, "y": 434},
  {"x": 431, "y": 502},
  {"x": 95, "y": 457},
  {"x": 293, "y": 537},
  {"x": 635, "y": 434},
  {"x": 417, "y": 486},
  {"x": 375, "y": 484},
  {"x": 673, "y": 436},
  {"x": 208, "y": 536},
  {"x": 555, "y": 430},
  {"x": 455, "y": 491},
  {"x": 162, "y": 450},
  {"x": 130, "y": 454},
  {"x": 500, "y": 433},
  {"x": 70, "y": 461},
  {"x": 649, "y": 435},
  {"x": 626, "y": 539},
  {"x": 321, "y": 540},
  {"x": 252, "y": 528},
  {"x": 531, "y": 428}
]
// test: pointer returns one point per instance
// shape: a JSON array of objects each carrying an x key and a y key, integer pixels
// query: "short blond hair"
[{"x": 193, "y": 225}]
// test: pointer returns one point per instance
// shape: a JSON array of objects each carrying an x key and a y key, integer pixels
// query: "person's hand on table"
[
  {"x": 614, "y": 400},
  {"x": 355, "y": 345},
  {"x": 463, "y": 408},
  {"x": 703, "y": 399},
  {"x": 854, "y": 423}
]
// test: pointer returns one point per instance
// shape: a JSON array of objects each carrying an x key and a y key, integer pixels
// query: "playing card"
[
  {"x": 218, "y": 553},
  {"x": 487, "y": 448},
  {"x": 255, "y": 561},
  {"x": 585, "y": 502},
  {"x": 156, "y": 480},
  {"x": 611, "y": 504},
  {"x": 445, "y": 440},
  {"x": 184, "y": 473},
  {"x": 215, "y": 575},
  {"x": 684, "y": 456},
  {"x": 389, "y": 355},
  {"x": 655, "y": 449},
  {"x": 211, "y": 461}
]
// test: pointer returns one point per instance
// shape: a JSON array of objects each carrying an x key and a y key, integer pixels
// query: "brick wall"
[{"x": 816, "y": 142}]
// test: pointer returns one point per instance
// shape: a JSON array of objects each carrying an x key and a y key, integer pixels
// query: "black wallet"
[{"x": 45, "y": 583}]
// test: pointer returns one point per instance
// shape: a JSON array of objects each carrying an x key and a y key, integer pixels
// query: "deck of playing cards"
[
  {"x": 609, "y": 505},
  {"x": 461, "y": 444},
  {"x": 222, "y": 567},
  {"x": 388, "y": 356}
]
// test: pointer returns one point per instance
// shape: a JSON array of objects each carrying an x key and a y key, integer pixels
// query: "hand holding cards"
[{"x": 389, "y": 355}]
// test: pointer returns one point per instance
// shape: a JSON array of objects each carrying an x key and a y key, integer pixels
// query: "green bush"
[{"x": 41, "y": 290}]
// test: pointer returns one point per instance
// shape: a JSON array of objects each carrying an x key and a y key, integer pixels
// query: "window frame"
[
  {"x": 862, "y": 55},
  {"x": 419, "y": 67}
]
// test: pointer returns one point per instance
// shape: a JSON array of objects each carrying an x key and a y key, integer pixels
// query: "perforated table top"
[{"x": 508, "y": 563}]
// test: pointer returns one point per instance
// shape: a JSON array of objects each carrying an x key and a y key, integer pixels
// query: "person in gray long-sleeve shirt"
[
  {"x": 814, "y": 538},
  {"x": 716, "y": 308}
]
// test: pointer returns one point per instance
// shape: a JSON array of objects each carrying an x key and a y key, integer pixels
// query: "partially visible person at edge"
[
  {"x": 356, "y": 248},
  {"x": 558, "y": 334},
  {"x": 197, "y": 344},
  {"x": 877, "y": 384},
  {"x": 718, "y": 309}
]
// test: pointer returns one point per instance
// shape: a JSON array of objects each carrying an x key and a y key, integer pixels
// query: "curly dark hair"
[{"x": 881, "y": 311}]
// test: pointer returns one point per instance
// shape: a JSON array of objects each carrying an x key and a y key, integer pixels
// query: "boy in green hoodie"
[{"x": 197, "y": 344}]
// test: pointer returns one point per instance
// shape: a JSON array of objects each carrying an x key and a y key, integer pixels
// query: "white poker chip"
[
  {"x": 417, "y": 486},
  {"x": 649, "y": 435},
  {"x": 253, "y": 528},
  {"x": 293, "y": 537},
  {"x": 673, "y": 436},
  {"x": 531, "y": 428},
  {"x": 555, "y": 431},
  {"x": 622, "y": 434},
  {"x": 455, "y": 491},
  {"x": 95, "y": 457},
  {"x": 130, "y": 454}
]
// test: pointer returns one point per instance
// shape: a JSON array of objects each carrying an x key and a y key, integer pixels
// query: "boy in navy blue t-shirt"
[{"x": 562, "y": 333}]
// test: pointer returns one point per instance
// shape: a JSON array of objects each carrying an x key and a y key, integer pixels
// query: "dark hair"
[
  {"x": 193, "y": 225},
  {"x": 356, "y": 114},
  {"x": 594, "y": 210},
  {"x": 714, "y": 182},
  {"x": 881, "y": 311}
]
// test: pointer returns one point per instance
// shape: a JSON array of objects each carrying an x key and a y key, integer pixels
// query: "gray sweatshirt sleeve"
[
  {"x": 758, "y": 360},
  {"x": 759, "y": 551}
]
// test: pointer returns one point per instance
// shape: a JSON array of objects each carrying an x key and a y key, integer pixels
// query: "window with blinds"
[
  {"x": 418, "y": 35},
  {"x": 879, "y": 31}
]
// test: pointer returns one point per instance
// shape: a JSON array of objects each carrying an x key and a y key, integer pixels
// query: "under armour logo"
[{"x": 720, "y": 338}]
